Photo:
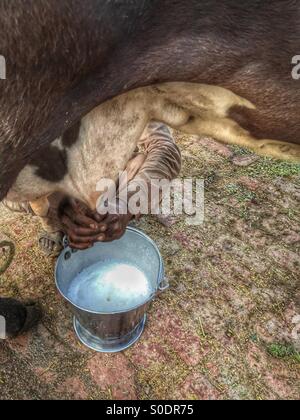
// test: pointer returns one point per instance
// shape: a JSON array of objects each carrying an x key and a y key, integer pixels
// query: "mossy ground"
[{"x": 228, "y": 328}]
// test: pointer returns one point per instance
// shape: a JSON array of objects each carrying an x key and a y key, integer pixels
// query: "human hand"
[
  {"x": 82, "y": 226},
  {"x": 85, "y": 227},
  {"x": 116, "y": 220}
]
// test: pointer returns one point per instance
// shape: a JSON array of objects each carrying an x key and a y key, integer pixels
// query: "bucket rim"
[{"x": 160, "y": 278}]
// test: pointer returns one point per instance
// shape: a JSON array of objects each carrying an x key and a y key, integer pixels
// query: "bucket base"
[{"x": 108, "y": 346}]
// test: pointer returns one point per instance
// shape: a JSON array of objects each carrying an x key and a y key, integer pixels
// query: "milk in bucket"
[{"x": 110, "y": 286}]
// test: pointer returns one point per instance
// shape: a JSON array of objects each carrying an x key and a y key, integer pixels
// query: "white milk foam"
[{"x": 109, "y": 286}]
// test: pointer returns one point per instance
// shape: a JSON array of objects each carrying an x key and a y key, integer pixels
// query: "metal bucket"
[{"x": 116, "y": 331}]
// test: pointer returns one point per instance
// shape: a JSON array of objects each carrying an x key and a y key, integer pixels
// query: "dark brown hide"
[{"x": 66, "y": 57}]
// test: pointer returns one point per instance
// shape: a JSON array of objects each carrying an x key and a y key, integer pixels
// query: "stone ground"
[{"x": 229, "y": 327}]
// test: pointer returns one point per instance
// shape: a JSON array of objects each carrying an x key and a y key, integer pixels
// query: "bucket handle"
[
  {"x": 68, "y": 254},
  {"x": 65, "y": 242},
  {"x": 164, "y": 285}
]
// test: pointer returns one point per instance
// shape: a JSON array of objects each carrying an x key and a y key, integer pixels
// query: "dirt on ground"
[{"x": 228, "y": 328}]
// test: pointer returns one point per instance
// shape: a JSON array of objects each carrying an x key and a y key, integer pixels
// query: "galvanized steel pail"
[{"x": 115, "y": 331}]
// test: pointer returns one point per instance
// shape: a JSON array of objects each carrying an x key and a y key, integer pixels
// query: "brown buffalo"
[{"x": 65, "y": 58}]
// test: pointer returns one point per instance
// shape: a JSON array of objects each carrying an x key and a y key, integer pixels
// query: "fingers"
[
  {"x": 80, "y": 218},
  {"x": 80, "y": 247},
  {"x": 114, "y": 224},
  {"x": 84, "y": 239},
  {"x": 116, "y": 227},
  {"x": 97, "y": 216},
  {"x": 114, "y": 232},
  {"x": 79, "y": 208},
  {"x": 85, "y": 227},
  {"x": 78, "y": 242},
  {"x": 82, "y": 226},
  {"x": 79, "y": 235},
  {"x": 78, "y": 230}
]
